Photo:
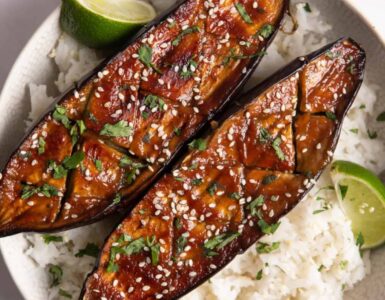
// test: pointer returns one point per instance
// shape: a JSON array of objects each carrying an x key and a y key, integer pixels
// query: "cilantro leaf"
[
  {"x": 266, "y": 228},
  {"x": 276, "y": 146},
  {"x": 90, "y": 250},
  {"x": 242, "y": 11},
  {"x": 145, "y": 56},
  {"x": 74, "y": 160},
  {"x": 52, "y": 238},
  {"x": 266, "y": 31},
  {"x": 120, "y": 129},
  {"x": 56, "y": 273},
  {"x": 198, "y": 144}
]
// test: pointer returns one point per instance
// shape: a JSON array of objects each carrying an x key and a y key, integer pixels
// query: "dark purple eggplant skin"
[
  {"x": 128, "y": 200},
  {"x": 96, "y": 279}
]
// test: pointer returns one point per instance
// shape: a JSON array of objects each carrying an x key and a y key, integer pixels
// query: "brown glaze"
[
  {"x": 143, "y": 105},
  {"x": 246, "y": 175}
]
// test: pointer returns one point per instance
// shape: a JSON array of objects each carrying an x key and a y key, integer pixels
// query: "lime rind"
[
  {"x": 95, "y": 29},
  {"x": 363, "y": 202}
]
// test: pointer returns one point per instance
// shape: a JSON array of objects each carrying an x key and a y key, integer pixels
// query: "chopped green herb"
[
  {"x": 318, "y": 211},
  {"x": 344, "y": 264},
  {"x": 74, "y": 132},
  {"x": 154, "y": 248},
  {"x": 235, "y": 196},
  {"x": 372, "y": 134},
  {"x": 47, "y": 190},
  {"x": 352, "y": 68},
  {"x": 259, "y": 275},
  {"x": 343, "y": 190},
  {"x": 178, "y": 131},
  {"x": 92, "y": 117},
  {"x": 82, "y": 126},
  {"x": 307, "y": 7},
  {"x": 73, "y": 162},
  {"x": 363, "y": 106},
  {"x": 90, "y": 250},
  {"x": 354, "y": 130},
  {"x": 255, "y": 204},
  {"x": 130, "y": 176},
  {"x": 321, "y": 267},
  {"x": 125, "y": 161},
  {"x": 193, "y": 166},
  {"x": 65, "y": 294},
  {"x": 269, "y": 179},
  {"x": 152, "y": 101},
  {"x": 178, "y": 223},
  {"x": 197, "y": 181},
  {"x": 242, "y": 11},
  {"x": 263, "y": 248},
  {"x": 234, "y": 56},
  {"x": 274, "y": 198},
  {"x": 112, "y": 267},
  {"x": 56, "y": 273},
  {"x": 60, "y": 115},
  {"x": 181, "y": 242},
  {"x": 264, "y": 135},
  {"x": 133, "y": 247},
  {"x": 98, "y": 165},
  {"x": 117, "y": 199},
  {"x": 360, "y": 241},
  {"x": 42, "y": 144},
  {"x": 120, "y": 129},
  {"x": 219, "y": 242},
  {"x": 145, "y": 114},
  {"x": 172, "y": 24},
  {"x": 145, "y": 56},
  {"x": 266, "y": 31},
  {"x": 198, "y": 144},
  {"x": 187, "y": 31},
  {"x": 189, "y": 69},
  {"x": 180, "y": 179},
  {"x": 212, "y": 188},
  {"x": 58, "y": 170},
  {"x": 266, "y": 228},
  {"x": 331, "y": 115},
  {"x": 276, "y": 146},
  {"x": 52, "y": 238}
]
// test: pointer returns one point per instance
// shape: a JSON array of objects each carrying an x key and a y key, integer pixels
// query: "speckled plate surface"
[{"x": 33, "y": 65}]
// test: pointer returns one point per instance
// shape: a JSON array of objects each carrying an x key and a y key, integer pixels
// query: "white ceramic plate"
[{"x": 34, "y": 66}]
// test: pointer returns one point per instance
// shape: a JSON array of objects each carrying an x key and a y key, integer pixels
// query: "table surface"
[{"x": 20, "y": 18}]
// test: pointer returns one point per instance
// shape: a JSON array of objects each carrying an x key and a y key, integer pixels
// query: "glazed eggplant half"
[
  {"x": 235, "y": 184},
  {"x": 109, "y": 138}
]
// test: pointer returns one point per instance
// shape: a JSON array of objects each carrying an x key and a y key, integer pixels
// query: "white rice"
[{"x": 317, "y": 257}]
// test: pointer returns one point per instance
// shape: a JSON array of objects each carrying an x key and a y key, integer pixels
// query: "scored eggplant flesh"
[
  {"x": 107, "y": 140},
  {"x": 236, "y": 185}
]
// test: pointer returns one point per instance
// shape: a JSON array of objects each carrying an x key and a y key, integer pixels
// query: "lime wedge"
[
  {"x": 361, "y": 195},
  {"x": 103, "y": 23}
]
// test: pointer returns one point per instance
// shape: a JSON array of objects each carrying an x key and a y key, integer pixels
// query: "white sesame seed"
[{"x": 193, "y": 274}]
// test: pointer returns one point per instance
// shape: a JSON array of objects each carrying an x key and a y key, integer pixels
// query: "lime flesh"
[
  {"x": 361, "y": 195},
  {"x": 104, "y": 23}
]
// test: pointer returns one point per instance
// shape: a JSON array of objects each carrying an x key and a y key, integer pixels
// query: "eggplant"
[
  {"x": 110, "y": 137},
  {"x": 235, "y": 184}
]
